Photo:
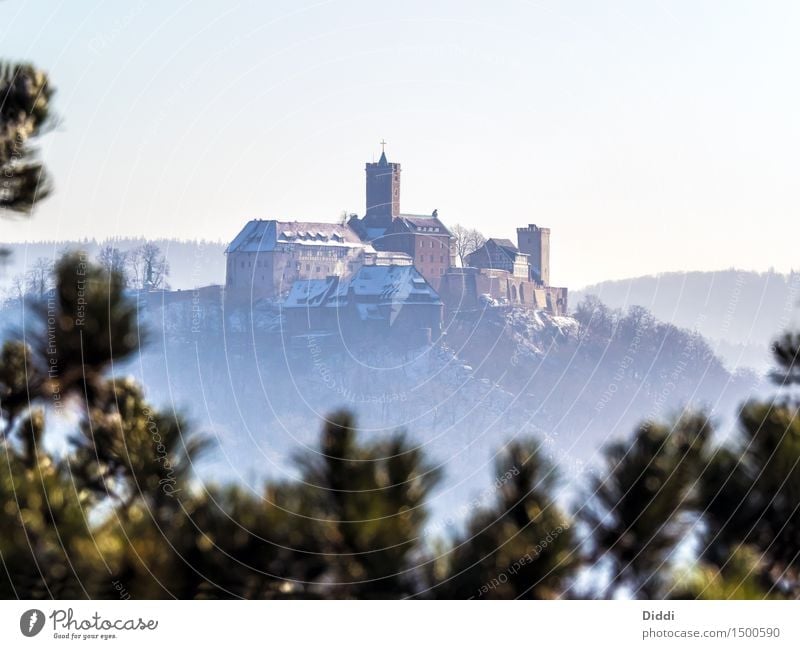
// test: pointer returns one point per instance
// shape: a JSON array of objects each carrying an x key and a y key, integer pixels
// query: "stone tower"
[
  {"x": 383, "y": 192},
  {"x": 535, "y": 242}
]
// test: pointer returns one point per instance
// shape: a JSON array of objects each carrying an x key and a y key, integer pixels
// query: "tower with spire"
[{"x": 383, "y": 191}]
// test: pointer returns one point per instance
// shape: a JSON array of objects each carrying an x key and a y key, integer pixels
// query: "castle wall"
[
  {"x": 249, "y": 274},
  {"x": 415, "y": 323},
  {"x": 458, "y": 289},
  {"x": 462, "y": 289},
  {"x": 270, "y": 274}
]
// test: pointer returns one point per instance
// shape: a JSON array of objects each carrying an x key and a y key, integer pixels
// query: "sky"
[{"x": 649, "y": 136}]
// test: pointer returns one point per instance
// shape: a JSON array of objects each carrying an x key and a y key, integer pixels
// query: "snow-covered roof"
[
  {"x": 337, "y": 295},
  {"x": 310, "y": 292},
  {"x": 374, "y": 285},
  {"x": 388, "y": 284},
  {"x": 422, "y": 223},
  {"x": 264, "y": 236}
]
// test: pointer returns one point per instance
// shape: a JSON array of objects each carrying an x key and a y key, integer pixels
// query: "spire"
[{"x": 383, "y": 160}]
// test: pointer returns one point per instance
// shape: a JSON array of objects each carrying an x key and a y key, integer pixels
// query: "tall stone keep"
[
  {"x": 535, "y": 242},
  {"x": 383, "y": 193}
]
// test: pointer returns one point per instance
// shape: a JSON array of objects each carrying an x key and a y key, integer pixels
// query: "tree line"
[{"x": 142, "y": 268}]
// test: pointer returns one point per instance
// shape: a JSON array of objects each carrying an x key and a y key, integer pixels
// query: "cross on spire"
[{"x": 383, "y": 146}]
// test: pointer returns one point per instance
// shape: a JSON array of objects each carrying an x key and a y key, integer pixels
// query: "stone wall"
[{"x": 462, "y": 288}]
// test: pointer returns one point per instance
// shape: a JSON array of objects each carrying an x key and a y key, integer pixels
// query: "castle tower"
[
  {"x": 383, "y": 192},
  {"x": 535, "y": 242}
]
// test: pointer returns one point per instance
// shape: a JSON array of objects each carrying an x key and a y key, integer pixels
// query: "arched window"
[
  {"x": 522, "y": 293},
  {"x": 513, "y": 293}
]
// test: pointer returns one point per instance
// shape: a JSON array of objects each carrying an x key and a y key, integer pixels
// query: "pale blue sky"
[{"x": 650, "y": 136}]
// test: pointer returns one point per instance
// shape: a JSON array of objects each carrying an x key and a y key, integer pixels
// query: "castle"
[
  {"x": 268, "y": 258},
  {"x": 507, "y": 274}
]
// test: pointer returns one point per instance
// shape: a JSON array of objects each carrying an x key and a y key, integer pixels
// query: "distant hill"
[{"x": 738, "y": 312}]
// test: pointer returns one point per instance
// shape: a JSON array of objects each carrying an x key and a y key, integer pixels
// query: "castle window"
[{"x": 308, "y": 266}]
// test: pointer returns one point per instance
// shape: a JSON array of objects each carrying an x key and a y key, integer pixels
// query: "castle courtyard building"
[
  {"x": 500, "y": 254},
  {"x": 423, "y": 238},
  {"x": 267, "y": 257}
]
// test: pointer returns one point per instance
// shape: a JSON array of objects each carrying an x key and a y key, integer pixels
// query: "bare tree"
[
  {"x": 465, "y": 241},
  {"x": 148, "y": 267},
  {"x": 16, "y": 290},
  {"x": 113, "y": 260},
  {"x": 40, "y": 277}
]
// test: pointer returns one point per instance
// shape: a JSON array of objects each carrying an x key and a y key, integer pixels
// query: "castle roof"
[
  {"x": 492, "y": 253},
  {"x": 370, "y": 286},
  {"x": 419, "y": 223},
  {"x": 266, "y": 236},
  {"x": 391, "y": 284},
  {"x": 505, "y": 245},
  {"x": 310, "y": 292}
]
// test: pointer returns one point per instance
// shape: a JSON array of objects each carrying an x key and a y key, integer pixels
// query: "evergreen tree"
[
  {"x": 523, "y": 546},
  {"x": 50, "y": 499},
  {"x": 368, "y": 505},
  {"x": 640, "y": 509},
  {"x": 751, "y": 489},
  {"x": 25, "y": 94}
]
